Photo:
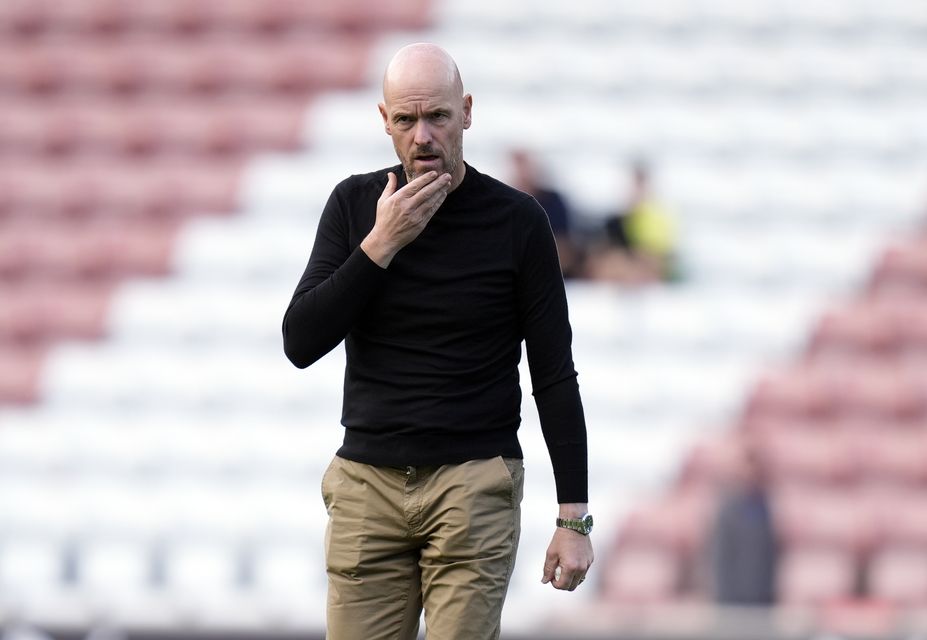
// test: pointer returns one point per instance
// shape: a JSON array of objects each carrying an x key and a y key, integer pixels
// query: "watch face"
[{"x": 587, "y": 523}]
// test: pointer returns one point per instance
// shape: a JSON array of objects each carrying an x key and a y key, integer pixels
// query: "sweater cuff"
[
  {"x": 360, "y": 265},
  {"x": 564, "y": 426},
  {"x": 572, "y": 486}
]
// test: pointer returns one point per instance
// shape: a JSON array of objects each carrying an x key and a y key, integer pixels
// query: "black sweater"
[{"x": 433, "y": 342}]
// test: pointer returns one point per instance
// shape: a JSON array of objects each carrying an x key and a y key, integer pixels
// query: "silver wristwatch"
[{"x": 582, "y": 525}]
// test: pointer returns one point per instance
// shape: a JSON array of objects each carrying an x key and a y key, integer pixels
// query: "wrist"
[
  {"x": 377, "y": 251},
  {"x": 573, "y": 510}
]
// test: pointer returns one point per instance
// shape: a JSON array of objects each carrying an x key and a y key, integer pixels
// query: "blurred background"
[{"x": 738, "y": 189}]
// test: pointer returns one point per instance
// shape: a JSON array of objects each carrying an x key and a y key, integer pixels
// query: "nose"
[{"x": 422, "y": 132}]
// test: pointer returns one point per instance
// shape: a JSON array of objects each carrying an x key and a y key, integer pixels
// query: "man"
[
  {"x": 526, "y": 176},
  {"x": 433, "y": 276}
]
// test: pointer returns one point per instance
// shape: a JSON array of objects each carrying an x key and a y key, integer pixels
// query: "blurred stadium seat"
[
  {"x": 642, "y": 576},
  {"x": 817, "y": 576},
  {"x": 899, "y": 575}
]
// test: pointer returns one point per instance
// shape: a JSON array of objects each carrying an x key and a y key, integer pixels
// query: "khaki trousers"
[{"x": 400, "y": 539}]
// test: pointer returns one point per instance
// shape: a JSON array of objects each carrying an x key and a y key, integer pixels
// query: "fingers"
[
  {"x": 559, "y": 578},
  {"x": 433, "y": 202},
  {"x": 424, "y": 203},
  {"x": 424, "y": 187},
  {"x": 550, "y": 570},
  {"x": 577, "y": 580},
  {"x": 416, "y": 186},
  {"x": 565, "y": 567},
  {"x": 568, "y": 580},
  {"x": 390, "y": 187},
  {"x": 419, "y": 183}
]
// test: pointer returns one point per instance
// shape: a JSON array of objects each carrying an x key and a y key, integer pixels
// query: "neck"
[{"x": 458, "y": 176}]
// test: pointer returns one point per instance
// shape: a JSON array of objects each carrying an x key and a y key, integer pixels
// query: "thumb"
[
  {"x": 550, "y": 568},
  {"x": 390, "y": 187}
]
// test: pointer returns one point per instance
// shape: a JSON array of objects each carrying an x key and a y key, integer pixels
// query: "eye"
[{"x": 439, "y": 116}]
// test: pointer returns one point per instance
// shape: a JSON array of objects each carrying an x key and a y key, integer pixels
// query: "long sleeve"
[
  {"x": 336, "y": 286},
  {"x": 548, "y": 338}
]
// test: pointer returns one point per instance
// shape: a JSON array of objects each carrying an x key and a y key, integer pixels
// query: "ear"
[
  {"x": 467, "y": 110},
  {"x": 382, "y": 108}
]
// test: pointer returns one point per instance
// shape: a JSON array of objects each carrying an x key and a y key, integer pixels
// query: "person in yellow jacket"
[{"x": 641, "y": 239}]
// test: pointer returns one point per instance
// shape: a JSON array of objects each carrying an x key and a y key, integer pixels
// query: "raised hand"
[{"x": 403, "y": 214}]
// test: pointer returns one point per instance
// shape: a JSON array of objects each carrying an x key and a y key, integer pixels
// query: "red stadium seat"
[
  {"x": 136, "y": 132},
  {"x": 24, "y": 128},
  {"x": 139, "y": 249},
  {"x": 19, "y": 372},
  {"x": 899, "y": 575},
  {"x": 112, "y": 188},
  {"x": 903, "y": 265},
  {"x": 234, "y": 127},
  {"x": 838, "y": 519},
  {"x": 140, "y": 129},
  {"x": 677, "y": 521},
  {"x": 641, "y": 575},
  {"x": 22, "y": 18},
  {"x": 25, "y": 18},
  {"x": 859, "y": 617},
  {"x": 152, "y": 64},
  {"x": 906, "y": 317},
  {"x": 901, "y": 517},
  {"x": 798, "y": 392},
  {"x": 200, "y": 187},
  {"x": 856, "y": 387},
  {"x": 892, "y": 324},
  {"x": 711, "y": 462},
  {"x": 204, "y": 68},
  {"x": 894, "y": 455},
  {"x": 101, "y": 251},
  {"x": 853, "y": 329},
  {"x": 296, "y": 67},
  {"x": 396, "y": 14},
  {"x": 809, "y": 455},
  {"x": 816, "y": 576},
  {"x": 75, "y": 191},
  {"x": 39, "y": 314},
  {"x": 886, "y": 389},
  {"x": 273, "y": 16},
  {"x": 118, "y": 69},
  {"x": 32, "y": 70},
  {"x": 176, "y": 16},
  {"x": 91, "y": 17},
  {"x": 266, "y": 15}
]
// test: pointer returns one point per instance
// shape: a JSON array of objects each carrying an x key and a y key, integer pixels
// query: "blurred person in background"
[
  {"x": 639, "y": 244},
  {"x": 433, "y": 274},
  {"x": 743, "y": 550},
  {"x": 527, "y": 177}
]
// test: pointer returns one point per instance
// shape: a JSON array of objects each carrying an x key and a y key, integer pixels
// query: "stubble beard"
[{"x": 450, "y": 162}]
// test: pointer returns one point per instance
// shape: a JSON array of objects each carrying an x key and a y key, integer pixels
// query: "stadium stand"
[{"x": 162, "y": 167}]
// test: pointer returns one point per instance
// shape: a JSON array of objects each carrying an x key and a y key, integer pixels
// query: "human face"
[{"x": 426, "y": 124}]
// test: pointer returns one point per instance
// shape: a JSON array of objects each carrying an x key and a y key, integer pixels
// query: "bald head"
[{"x": 422, "y": 64}]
